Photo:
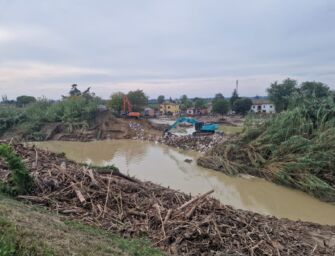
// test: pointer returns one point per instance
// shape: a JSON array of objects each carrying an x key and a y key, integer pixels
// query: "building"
[
  {"x": 149, "y": 112},
  {"x": 169, "y": 108},
  {"x": 262, "y": 106},
  {"x": 196, "y": 112},
  {"x": 190, "y": 111}
]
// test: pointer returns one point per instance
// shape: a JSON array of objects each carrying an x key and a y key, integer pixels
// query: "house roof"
[
  {"x": 169, "y": 103},
  {"x": 261, "y": 102}
]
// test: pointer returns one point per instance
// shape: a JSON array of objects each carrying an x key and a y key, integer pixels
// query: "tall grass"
[
  {"x": 72, "y": 112},
  {"x": 295, "y": 148}
]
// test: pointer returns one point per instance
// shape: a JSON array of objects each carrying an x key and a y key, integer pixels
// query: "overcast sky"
[{"x": 174, "y": 47}]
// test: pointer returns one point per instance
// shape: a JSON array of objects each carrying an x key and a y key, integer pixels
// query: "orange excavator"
[{"x": 127, "y": 108}]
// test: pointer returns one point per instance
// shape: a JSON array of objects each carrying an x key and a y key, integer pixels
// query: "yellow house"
[{"x": 169, "y": 108}]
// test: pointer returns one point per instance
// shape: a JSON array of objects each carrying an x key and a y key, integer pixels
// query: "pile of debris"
[
  {"x": 174, "y": 221},
  {"x": 191, "y": 142},
  {"x": 138, "y": 130}
]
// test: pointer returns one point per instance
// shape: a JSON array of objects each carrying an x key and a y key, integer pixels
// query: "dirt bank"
[{"x": 174, "y": 221}]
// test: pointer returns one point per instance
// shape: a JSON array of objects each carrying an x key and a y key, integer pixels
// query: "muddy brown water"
[{"x": 166, "y": 166}]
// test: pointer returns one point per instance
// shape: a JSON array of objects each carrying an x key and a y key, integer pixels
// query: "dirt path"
[{"x": 174, "y": 221}]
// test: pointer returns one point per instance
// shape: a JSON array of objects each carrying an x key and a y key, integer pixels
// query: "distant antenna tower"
[{"x": 236, "y": 86}]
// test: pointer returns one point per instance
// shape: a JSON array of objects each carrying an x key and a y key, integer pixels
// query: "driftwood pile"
[{"x": 174, "y": 221}]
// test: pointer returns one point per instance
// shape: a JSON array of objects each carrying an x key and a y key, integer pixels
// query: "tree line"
[
  {"x": 288, "y": 92},
  {"x": 220, "y": 105}
]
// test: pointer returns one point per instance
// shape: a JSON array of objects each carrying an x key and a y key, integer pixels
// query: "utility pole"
[{"x": 236, "y": 86}]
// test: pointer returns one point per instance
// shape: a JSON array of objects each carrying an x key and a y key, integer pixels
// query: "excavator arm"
[{"x": 200, "y": 127}]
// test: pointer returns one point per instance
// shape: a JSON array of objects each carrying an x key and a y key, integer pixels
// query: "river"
[{"x": 166, "y": 166}]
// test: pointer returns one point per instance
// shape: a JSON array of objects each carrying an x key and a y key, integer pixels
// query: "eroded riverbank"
[
  {"x": 165, "y": 165},
  {"x": 174, "y": 221}
]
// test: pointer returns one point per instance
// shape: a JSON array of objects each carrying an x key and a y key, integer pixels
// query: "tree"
[
  {"x": 220, "y": 105},
  {"x": 74, "y": 90},
  {"x": 160, "y": 99},
  {"x": 242, "y": 105},
  {"x": 280, "y": 94},
  {"x": 199, "y": 103},
  {"x": 314, "y": 89},
  {"x": 233, "y": 98},
  {"x": 138, "y": 99},
  {"x": 24, "y": 100},
  {"x": 185, "y": 103},
  {"x": 115, "y": 102}
]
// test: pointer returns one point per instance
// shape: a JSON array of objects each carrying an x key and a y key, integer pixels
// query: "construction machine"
[
  {"x": 201, "y": 128},
  {"x": 127, "y": 108}
]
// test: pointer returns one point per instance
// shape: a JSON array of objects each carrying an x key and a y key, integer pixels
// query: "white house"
[{"x": 262, "y": 106}]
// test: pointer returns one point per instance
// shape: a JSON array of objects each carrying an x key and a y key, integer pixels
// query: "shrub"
[{"x": 21, "y": 181}]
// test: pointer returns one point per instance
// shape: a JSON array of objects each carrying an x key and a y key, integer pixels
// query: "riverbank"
[
  {"x": 172, "y": 220},
  {"x": 178, "y": 170},
  {"x": 27, "y": 229},
  {"x": 106, "y": 127}
]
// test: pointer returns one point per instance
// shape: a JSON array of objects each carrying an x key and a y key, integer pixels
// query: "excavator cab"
[{"x": 201, "y": 128}]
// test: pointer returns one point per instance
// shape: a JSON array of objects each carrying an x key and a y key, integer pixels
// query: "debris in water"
[{"x": 174, "y": 221}]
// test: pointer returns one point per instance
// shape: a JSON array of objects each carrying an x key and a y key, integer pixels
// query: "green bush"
[
  {"x": 21, "y": 181},
  {"x": 75, "y": 111},
  {"x": 9, "y": 116}
]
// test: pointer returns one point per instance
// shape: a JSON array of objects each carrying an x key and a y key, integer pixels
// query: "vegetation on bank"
[
  {"x": 295, "y": 148},
  {"x": 30, "y": 230},
  {"x": 20, "y": 182},
  {"x": 73, "y": 111}
]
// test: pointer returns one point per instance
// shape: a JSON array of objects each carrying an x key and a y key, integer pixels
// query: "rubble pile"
[
  {"x": 174, "y": 221},
  {"x": 138, "y": 130}
]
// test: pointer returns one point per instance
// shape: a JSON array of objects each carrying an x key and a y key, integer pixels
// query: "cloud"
[{"x": 193, "y": 46}]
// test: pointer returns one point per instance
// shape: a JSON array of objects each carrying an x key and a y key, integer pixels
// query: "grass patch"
[
  {"x": 230, "y": 129},
  {"x": 32, "y": 230},
  {"x": 102, "y": 169},
  {"x": 134, "y": 247}
]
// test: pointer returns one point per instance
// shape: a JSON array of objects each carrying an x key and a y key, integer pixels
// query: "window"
[{"x": 270, "y": 106}]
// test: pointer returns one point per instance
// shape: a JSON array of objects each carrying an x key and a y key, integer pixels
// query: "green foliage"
[
  {"x": 220, "y": 105},
  {"x": 242, "y": 105},
  {"x": 74, "y": 90},
  {"x": 9, "y": 117},
  {"x": 20, "y": 179},
  {"x": 314, "y": 89},
  {"x": 295, "y": 148},
  {"x": 115, "y": 102},
  {"x": 160, "y": 99},
  {"x": 280, "y": 94},
  {"x": 71, "y": 111},
  {"x": 185, "y": 103},
  {"x": 138, "y": 99},
  {"x": 233, "y": 98},
  {"x": 199, "y": 103},
  {"x": 24, "y": 100}
]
